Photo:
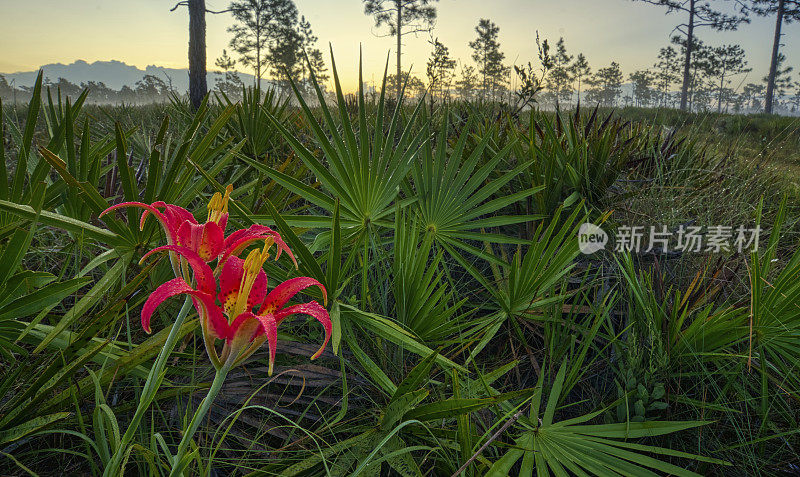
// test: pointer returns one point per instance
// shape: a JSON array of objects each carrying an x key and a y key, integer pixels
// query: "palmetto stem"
[{"x": 149, "y": 390}]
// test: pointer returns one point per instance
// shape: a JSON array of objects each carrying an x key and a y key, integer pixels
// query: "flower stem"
[
  {"x": 149, "y": 390},
  {"x": 205, "y": 405}
]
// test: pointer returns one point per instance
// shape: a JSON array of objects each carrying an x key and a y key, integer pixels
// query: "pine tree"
[
  {"x": 699, "y": 68},
  {"x": 467, "y": 83},
  {"x": 197, "y": 49},
  {"x": 487, "y": 55},
  {"x": 412, "y": 84},
  {"x": 795, "y": 101},
  {"x": 700, "y": 14},
  {"x": 784, "y": 11},
  {"x": 726, "y": 61},
  {"x": 228, "y": 80},
  {"x": 607, "y": 84},
  {"x": 313, "y": 62},
  {"x": 641, "y": 82},
  {"x": 259, "y": 26},
  {"x": 752, "y": 95},
  {"x": 668, "y": 72},
  {"x": 285, "y": 57},
  {"x": 197, "y": 52},
  {"x": 316, "y": 64},
  {"x": 403, "y": 17},
  {"x": 701, "y": 86},
  {"x": 580, "y": 72},
  {"x": 559, "y": 80},
  {"x": 440, "y": 69},
  {"x": 782, "y": 82},
  {"x": 150, "y": 86}
]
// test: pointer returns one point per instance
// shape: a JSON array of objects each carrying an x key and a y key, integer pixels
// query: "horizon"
[{"x": 587, "y": 27}]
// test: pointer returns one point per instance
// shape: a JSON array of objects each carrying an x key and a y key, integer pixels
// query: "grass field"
[{"x": 469, "y": 335}]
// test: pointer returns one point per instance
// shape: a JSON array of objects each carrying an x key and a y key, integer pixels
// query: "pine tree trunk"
[
  {"x": 399, "y": 46},
  {"x": 773, "y": 65},
  {"x": 257, "y": 79},
  {"x": 483, "y": 84},
  {"x": 687, "y": 77},
  {"x": 558, "y": 95},
  {"x": 197, "y": 52}
]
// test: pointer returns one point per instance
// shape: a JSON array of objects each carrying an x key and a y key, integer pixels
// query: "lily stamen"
[
  {"x": 218, "y": 205},
  {"x": 253, "y": 264}
]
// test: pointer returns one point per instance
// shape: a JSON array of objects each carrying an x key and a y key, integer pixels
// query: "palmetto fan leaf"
[
  {"x": 424, "y": 301},
  {"x": 454, "y": 192},
  {"x": 531, "y": 277},
  {"x": 775, "y": 327},
  {"x": 250, "y": 123},
  {"x": 364, "y": 163},
  {"x": 572, "y": 447}
]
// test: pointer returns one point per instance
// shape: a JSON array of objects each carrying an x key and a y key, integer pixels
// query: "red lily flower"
[
  {"x": 242, "y": 286},
  {"x": 207, "y": 240}
]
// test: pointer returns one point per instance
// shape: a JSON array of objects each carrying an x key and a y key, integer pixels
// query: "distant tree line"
[
  {"x": 277, "y": 43},
  {"x": 717, "y": 78},
  {"x": 149, "y": 89},
  {"x": 687, "y": 74}
]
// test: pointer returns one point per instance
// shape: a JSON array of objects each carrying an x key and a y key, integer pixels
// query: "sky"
[{"x": 145, "y": 32}]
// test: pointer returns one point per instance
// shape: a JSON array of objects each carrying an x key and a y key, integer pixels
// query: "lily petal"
[
  {"x": 313, "y": 309},
  {"x": 239, "y": 240},
  {"x": 202, "y": 272},
  {"x": 206, "y": 239},
  {"x": 176, "y": 215},
  {"x": 203, "y": 303},
  {"x": 223, "y": 221},
  {"x": 270, "y": 328},
  {"x": 171, "y": 218},
  {"x": 168, "y": 228},
  {"x": 218, "y": 324},
  {"x": 284, "y": 292},
  {"x": 238, "y": 327},
  {"x": 267, "y": 326}
]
